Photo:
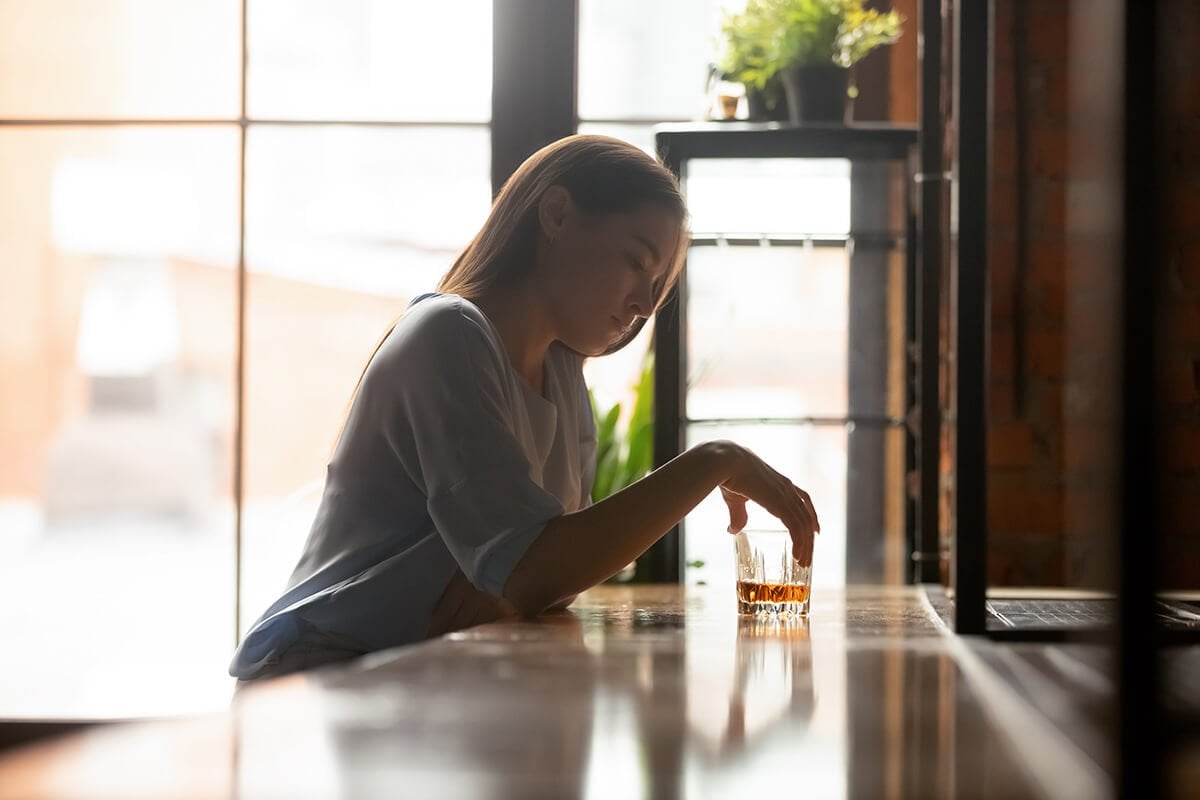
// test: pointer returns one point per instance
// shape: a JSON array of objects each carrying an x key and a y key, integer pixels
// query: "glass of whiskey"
[{"x": 769, "y": 580}]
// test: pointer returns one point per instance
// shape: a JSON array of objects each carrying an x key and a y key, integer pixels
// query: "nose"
[{"x": 641, "y": 302}]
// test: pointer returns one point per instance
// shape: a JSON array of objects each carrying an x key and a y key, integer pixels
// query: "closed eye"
[{"x": 637, "y": 265}]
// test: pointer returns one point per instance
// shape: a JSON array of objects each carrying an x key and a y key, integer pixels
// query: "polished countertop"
[{"x": 636, "y": 691}]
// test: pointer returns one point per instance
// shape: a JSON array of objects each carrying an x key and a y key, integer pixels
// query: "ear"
[{"x": 553, "y": 210}]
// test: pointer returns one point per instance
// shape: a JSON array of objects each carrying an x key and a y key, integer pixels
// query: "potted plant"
[
  {"x": 818, "y": 42},
  {"x": 794, "y": 56},
  {"x": 748, "y": 46}
]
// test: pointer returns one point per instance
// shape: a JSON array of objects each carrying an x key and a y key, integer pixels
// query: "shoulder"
[
  {"x": 442, "y": 315},
  {"x": 441, "y": 332},
  {"x": 443, "y": 325}
]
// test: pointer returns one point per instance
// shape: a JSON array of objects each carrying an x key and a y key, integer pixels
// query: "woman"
[{"x": 458, "y": 491}]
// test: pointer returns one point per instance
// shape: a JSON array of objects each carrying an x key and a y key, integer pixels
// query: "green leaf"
[
  {"x": 625, "y": 456},
  {"x": 606, "y": 473},
  {"x": 769, "y": 35},
  {"x": 606, "y": 438},
  {"x": 641, "y": 454},
  {"x": 643, "y": 404}
]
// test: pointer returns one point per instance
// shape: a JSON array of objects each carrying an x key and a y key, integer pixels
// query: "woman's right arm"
[{"x": 579, "y": 550}]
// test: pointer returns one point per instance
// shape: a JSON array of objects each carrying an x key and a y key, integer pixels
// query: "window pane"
[
  {"x": 814, "y": 458},
  {"x": 641, "y": 60},
  {"x": 344, "y": 225},
  {"x": 379, "y": 210},
  {"x": 117, "y": 349},
  {"x": 640, "y": 135},
  {"x": 85, "y": 59},
  {"x": 370, "y": 59},
  {"x": 808, "y": 196},
  {"x": 744, "y": 301}
]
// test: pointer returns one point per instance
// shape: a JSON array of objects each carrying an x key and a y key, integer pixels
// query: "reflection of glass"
[
  {"x": 769, "y": 580},
  {"x": 773, "y": 678}
]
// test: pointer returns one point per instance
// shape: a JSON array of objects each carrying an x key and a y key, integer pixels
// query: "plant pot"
[
  {"x": 816, "y": 94},
  {"x": 763, "y": 105}
]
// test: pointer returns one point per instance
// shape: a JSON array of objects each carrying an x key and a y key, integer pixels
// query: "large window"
[{"x": 147, "y": 210}]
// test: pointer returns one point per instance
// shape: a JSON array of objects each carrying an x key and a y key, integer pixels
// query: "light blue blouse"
[{"x": 448, "y": 459}]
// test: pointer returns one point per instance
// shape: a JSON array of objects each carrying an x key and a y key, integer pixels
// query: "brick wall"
[
  {"x": 1179, "y": 300},
  {"x": 1055, "y": 296},
  {"x": 1027, "y": 480}
]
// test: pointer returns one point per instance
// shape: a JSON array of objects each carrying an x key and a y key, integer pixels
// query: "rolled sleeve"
[{"x": 488, "y": 522}]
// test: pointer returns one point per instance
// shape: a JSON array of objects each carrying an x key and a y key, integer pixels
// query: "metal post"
[{"x": 972, "y": 52}]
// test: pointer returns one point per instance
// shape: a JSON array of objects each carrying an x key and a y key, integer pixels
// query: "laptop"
[
  {"x": 1057, "y": 614},
  {"x": 1053, "y": 614}
]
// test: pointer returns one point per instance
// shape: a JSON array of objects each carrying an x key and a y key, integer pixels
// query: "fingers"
[
  {"x": 788, "y": 503},
  {"x": 737, "y": 509},
  {"x": 802, "y": 548},
  {"x": 809, "y": 504},
  {"x": 806, "y": 524},
  {"x": 754, "y": 479}
]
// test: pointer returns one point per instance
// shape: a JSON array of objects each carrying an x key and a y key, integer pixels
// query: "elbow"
[
  {"x": 537, "y": 583},
  {"x": 525, "y": 605},
  {"x": 532, "y": 603},
  {"x": 563, "y": 603},
  {"x": 524, "y": 597},
  {"x": 529, "y": 600}
]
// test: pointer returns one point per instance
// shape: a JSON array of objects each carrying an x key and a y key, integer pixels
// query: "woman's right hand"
[
  {"x": 748, "y": 477},
  {"x": 578, "y": 550}
]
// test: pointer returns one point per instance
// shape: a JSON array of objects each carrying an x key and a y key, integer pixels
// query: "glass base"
[{"x": 773, "y": 609}]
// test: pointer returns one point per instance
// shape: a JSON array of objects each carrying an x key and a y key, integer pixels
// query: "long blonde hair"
[{"x": 603, "y": 175}]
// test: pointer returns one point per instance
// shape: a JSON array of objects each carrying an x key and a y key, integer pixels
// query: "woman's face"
[{"x": 603, "y": 271}]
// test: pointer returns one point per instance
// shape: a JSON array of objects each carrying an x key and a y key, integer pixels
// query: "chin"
[
  {"x": 585, "y": 346},
  {"x": 592, "y": 343},
  {"x": 595, "y": 350}
]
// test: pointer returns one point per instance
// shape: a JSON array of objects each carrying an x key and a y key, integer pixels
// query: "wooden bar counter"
[{"x": 649, "y": 691}]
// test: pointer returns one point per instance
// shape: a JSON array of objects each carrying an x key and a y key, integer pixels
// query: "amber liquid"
[{"x": 749, "y": 592}]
